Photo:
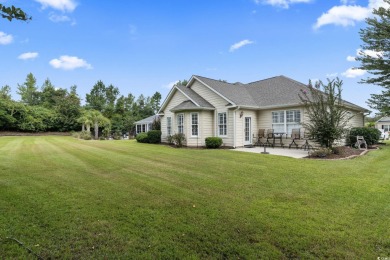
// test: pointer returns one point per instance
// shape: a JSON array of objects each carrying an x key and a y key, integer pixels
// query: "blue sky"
[{"x": 144, "y": 46}]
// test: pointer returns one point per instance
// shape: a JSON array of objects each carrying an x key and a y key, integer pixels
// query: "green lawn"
[{"x": 66, "y": 198}]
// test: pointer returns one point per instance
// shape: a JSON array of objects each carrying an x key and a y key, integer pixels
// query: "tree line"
[{"x": 49, "y": 108}]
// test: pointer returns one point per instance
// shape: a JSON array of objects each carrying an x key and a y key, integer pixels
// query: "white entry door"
[{"x": 248, "y": 131}]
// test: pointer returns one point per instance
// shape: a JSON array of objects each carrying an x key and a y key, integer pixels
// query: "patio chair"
[
  {"x": 295, "y": 135},
  {"x": 260, "y": 134},
  {"x": 360, "y": 141},
  {"x": 307, "y": 136},
  {"x": 270, "y": 135}
]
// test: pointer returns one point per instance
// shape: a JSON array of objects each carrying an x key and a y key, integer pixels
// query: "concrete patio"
[{"x": 294, "y": 153}]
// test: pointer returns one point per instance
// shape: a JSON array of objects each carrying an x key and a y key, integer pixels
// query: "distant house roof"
[
  {"x": 276, "y": 91},
  {"x": 384, "y": 119},
  {"x": 147, "y": 120}
]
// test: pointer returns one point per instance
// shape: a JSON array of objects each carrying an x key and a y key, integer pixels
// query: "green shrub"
[
  {"x": 321, "y": 152},
  {"x": 117, "y": 135},
  {"x": 213, "y": 142},
  {"x": 371, "y": 135},
  {"x": 178, "y": 139},
  {"x": 76, "y": 135},
  {"x": 340, "y": 150},
  {"x": 85, "y": 135},
  {"x": 102, "y": 138},
  {"x": 154, "y": 136},
  {"x": 170, "y": 139},
  {"x": 142, "y": 138}
]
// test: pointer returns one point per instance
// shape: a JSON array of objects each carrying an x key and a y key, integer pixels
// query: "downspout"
[{"x": 235, "y": 126}]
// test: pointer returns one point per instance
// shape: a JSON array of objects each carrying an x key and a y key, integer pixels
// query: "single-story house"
[
  {"x": 235, "y": 111},
  {"x": 145, "y": 125},
  {"x": 383, "y": 123}
]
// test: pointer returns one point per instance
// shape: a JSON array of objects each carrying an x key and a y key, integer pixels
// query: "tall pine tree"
[{"x": 375, "y": 56}]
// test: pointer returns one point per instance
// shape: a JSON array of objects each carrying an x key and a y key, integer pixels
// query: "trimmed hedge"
[
  {"x": 371, "y": 135},
  {"x": 154, "y": 136},
  {"x": 213, "y": 142},
  {"x": 142, "y": 138}
]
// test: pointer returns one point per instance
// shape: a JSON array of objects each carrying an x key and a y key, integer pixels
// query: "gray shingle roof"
[
  {"x": 195, "y": 97},
  {"x": 185, "y": 105},
  {"x": 384, "y": 119},
  {"x": 147, "y": 120},
  {"x": 276, "y": 91}
]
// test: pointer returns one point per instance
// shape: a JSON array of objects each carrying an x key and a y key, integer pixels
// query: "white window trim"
[
  {"x": 285, "y": 123},
  {"x": 177, "y": 123},
  {"x": 197, "y": 125},
  {"x": 218, "y": 124}
]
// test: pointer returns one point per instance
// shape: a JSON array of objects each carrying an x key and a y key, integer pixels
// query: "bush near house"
[
  {"x": 142, "y": 138},
  {"x": 371, "y": 135},
  {"x": 154, "y": 136},
  {"x": 85, "y": 135},
  {"x": 178, "y": 139},
  {"x": 213, "y": 142}
]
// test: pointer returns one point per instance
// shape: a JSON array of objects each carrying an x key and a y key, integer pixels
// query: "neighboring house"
[
  {"x": 383, "y": 125},
  {"x": 145, "y": 124},
  {"x": 234, "y": 112}
]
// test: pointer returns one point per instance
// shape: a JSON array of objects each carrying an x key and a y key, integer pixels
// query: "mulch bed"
[{"x": 345, "y": 152}]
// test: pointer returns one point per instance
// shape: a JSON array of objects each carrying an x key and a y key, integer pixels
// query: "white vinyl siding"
[
  {"x": 222, "y": 124},
  {"x": 175, "y": 100}
]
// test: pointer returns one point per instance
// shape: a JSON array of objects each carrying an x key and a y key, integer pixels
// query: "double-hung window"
[
  {"x": 222, "y": 124},
  {"x": 194, "y": 124},
  {"x": 286, "y": 120},
  {"x": 386, "y": 128},
  {"x": 180, "y": 123},
  {"x": 293, "y": 120},
  {"x": 278, "y": 121},
  {"x": 169, "y": 125}
]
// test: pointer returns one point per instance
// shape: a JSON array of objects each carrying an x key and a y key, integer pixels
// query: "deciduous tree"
[{"x": 328, "y": 116}]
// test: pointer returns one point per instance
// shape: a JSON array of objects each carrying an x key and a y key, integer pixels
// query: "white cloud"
[
  {"x": 353, "y": 73},
  {"x": 5, "y": 38},
  {"x": 62, "y": 5},
  {"x": 28, "y": 56},
  {"x": 332, "y": 75},
  {"x": 240, "y": 44},
  {"x": 373, "y": 54},
  {"x": 343, "y": 15},
  {"x": 346, "y": 2},
  {"x": 346, "y": 14},
  {"x": 59, "y": 18},
  {"x": 351, "y": 58},
  {"x": 170, "y": 84},
  {"x": 281, "y": 3},
  {"x": 66, "y": 62}
]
